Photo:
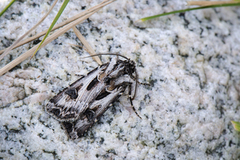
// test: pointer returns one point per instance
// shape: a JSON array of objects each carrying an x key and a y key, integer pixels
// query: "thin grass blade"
[
  {"x": 87, "y": 45},
  {"x": 53, "y": 23},
  {"x": 51, "y": 38},
  {"x": 27, "y": 33},
  {"x": 9, "y": 5},
  {"x": 102, "y": 4},
  {"x": 191, "y": 9},
  {"x": 208, "y": 3},
  {"x": 236, "y": 125}
]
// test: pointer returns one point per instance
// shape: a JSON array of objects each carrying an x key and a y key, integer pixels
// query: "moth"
[{"x": 81, "y": 104}]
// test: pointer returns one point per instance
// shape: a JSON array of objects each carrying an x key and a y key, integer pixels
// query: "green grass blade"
[
  {"x": 190, "y": 9},
  {"x": 4, "y": 10},
  {"x": 236, "y": 125},
  {"x": 53, "y": 23}
]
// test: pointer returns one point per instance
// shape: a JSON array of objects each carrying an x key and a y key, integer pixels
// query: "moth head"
[{"x": 130, "y": 68}]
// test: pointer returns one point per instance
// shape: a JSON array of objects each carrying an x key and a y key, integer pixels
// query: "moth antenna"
[
  {"x": 114, "y": 54},
  {"x": 134, "y": 108},
  {"x": 130, "y": 98}
]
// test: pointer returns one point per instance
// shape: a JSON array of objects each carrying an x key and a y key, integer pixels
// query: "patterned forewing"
[
  {"x": 77, "y": 128},
  {"x": 79, "y": 106},
  {"x": 64, "y": 106}
]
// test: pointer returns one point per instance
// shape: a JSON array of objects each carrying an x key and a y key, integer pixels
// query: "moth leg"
[
  {"x": 130, "y": 98},
  {"x": 129, "y": 84},
  {"x": 136, "y": 79},
  {"x": 127, "y": 81},
  {"x": 135, "y": 88}
]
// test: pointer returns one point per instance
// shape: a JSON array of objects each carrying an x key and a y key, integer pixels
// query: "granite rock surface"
[{"x": 191, "y": 62}]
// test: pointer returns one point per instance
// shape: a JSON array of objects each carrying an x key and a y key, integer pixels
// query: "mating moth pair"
[{"x": 80, "y": 105}]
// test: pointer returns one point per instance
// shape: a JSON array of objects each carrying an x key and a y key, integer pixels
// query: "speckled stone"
[{"x": 191, "y": 61}]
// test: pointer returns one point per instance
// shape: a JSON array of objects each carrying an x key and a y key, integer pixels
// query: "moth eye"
[
  {"x": 72, "y": 92},
  {"x": 92, "y": 84}
]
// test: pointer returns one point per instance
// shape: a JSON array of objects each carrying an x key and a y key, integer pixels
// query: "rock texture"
[{"x": 191, "y": 62}]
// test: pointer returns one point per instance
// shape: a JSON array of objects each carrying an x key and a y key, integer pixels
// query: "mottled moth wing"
[
  {"x": 68, "y": 104},
  {"x": 77, "y": 128},
  {"x": 80, "y": 105}
]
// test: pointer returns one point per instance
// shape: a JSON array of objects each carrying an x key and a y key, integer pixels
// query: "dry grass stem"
[
  {"x": 87, "y": 45},
  {"x": 78, "y": 46},
  {"x": 208, "y": 3},
  {"x": 27, "y": 33},
  {"x": 51, "y": 38},
  {"x": 102, "y": 4}
]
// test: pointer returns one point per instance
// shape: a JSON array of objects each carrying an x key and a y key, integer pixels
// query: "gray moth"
[{"x": 81, "y": 104}]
